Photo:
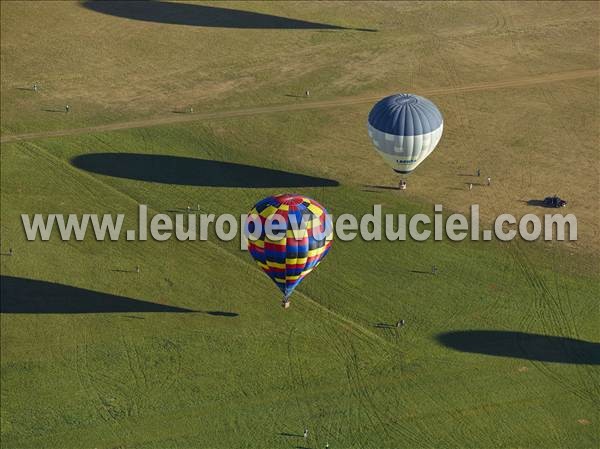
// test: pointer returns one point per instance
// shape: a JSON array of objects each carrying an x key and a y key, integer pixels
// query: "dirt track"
[{"x": 307, "y": 105}]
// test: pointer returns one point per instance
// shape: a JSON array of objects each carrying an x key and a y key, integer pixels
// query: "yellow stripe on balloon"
[
  {"x": 315, "y": 210},
  {"x": 297, "y": 261},
  {"x": 297, "y": 234},
  {"x": 268, "y": 211},
  {"x": 275, "y": 264},
  {"x": 298, "y": 276}
]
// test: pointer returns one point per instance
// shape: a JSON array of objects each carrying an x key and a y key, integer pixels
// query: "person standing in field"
[
  {"x": 489, "y": 181},
  {"x": 471, "y": 186},
  {"x": 67, "y": 108},
  {"x": 307, "y": 93},
  {"x": 478, "y": 172},
  {"x": 35, "y": 87},
  {"x": 305, "y": 433}
]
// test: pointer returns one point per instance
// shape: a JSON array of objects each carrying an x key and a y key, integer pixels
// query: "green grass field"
[{"x": 500, "y": 350}]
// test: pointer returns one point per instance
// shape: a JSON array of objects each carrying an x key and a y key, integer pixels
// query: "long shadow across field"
[
  {"x": 202, "y": 15},
  {"x": 521, "y": 345},
  {"x": 20, "y": 295},
  {"x": 191, "y": 171}
]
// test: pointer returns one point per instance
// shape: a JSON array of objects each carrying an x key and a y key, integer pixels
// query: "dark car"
[{"x": 554, "y": 201}]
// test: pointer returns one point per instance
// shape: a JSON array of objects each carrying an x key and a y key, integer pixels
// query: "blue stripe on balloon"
[{"x": 405, "y": 115}]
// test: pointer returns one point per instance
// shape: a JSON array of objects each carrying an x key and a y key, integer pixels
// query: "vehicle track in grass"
[
  {"x": 549, "y": 311},
  {"x": 309, "y": 104}
]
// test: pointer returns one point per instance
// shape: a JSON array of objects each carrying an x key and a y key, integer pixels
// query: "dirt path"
[{"x": 305, "y": 105}]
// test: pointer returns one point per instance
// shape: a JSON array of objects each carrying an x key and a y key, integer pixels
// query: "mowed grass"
[
  {"x": 240, "y": 372},
  {"x": 132, "y": 379},
  {"x": 110, "y": 68}
]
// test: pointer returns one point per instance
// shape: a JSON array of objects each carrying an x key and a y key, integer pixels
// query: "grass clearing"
[{"x": 240, "y": 372}]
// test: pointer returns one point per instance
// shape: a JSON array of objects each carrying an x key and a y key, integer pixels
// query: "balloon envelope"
[
  {"x": 305, "y": 238},
  {"x": 405, "y": 129}
]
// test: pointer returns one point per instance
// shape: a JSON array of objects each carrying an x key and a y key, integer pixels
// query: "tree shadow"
[
  {"x": 203, "y": 16},
  {"x": 521, "y": 345},
  {"x": 191, "y": 171},
  {"x": 20, "y": 295}
]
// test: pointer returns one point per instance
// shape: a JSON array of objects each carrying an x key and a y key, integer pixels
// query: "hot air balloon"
[
  {"x": 405, "y": 129},
  {"x": 305, "y": 239}
]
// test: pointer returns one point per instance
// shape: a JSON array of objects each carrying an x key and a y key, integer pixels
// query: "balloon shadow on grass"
[
  {"x": 20, "y": 295},
  {"x": 203, "y": 16},
  {"x": 191, "y": 171},
  {"x": 521, "y": 345}
]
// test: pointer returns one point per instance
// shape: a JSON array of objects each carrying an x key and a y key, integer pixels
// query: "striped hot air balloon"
[
  {"x": 405, "y": 129},
  {"x": 305, "y": 239}
]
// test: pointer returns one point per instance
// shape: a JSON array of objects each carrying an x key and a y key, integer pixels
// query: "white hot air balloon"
[{"x": 405, "y": 129}]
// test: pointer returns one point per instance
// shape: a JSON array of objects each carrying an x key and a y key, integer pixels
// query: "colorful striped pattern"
[{"x": 288, "y": 260}]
